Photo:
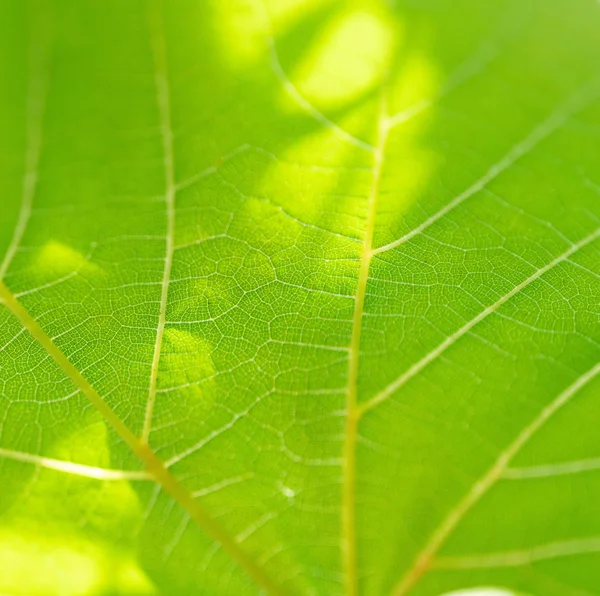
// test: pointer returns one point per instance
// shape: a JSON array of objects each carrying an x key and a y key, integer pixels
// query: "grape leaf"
[{"x": 300, "y": 297}]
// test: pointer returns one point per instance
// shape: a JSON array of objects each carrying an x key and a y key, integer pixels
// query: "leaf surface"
[{"x": 300, "y": 297}]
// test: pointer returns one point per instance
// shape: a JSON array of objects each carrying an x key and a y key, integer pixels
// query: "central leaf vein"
[
  {"x": 164, "y": 106},
  {"x": 349, "y": 541}
]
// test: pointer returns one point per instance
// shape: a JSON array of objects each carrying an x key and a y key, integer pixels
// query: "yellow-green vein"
[
  {"x": 155, "y": 467},
  {"x": 425, "y": 559},
  {"x": 166, "y": 130},
  {"x": 349, "y": 554}
]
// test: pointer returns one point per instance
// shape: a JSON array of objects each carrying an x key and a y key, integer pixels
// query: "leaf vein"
[
  {"x": 155, "y": 467},
  {"x": 164, "y": 106},
  {"x": 425, "y": 558},
  {"x": 388, "y": 391}
]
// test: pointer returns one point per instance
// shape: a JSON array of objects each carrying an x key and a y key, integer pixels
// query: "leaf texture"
[{"x": 300, "y": 297}]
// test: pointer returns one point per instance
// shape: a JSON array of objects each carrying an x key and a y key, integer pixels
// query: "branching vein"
[
  {"x": 517, "y": 558},
  {"x": 36, "y": 102},
  {"x": 550, "y": 470},
  {"x": 69, "y": 467},
  {"x": 557, "y": 119},
  {"x": 426, "y": 557},
  {"x": 349, "y": 459},
  {"x": 388, "y": 391},
  {"x": 155, "y": 467},
  {"x": 164, "y": 107},
  {"x": 300, "y": 100}
]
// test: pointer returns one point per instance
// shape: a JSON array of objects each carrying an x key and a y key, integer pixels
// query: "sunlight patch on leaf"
[
  {"x": 241, "y": 38},
  {"x": 284, "y": 14},
  {"x": 414, "y": 86},
  {"x": 186, "y": 366},
  {"x": 56, "y": 259},
  {"x": 336, "y": 70},
  {"x": 35, "y": 565}
]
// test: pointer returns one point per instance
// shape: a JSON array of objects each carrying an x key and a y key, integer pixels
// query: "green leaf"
[{"x": 299, "y": 297}]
